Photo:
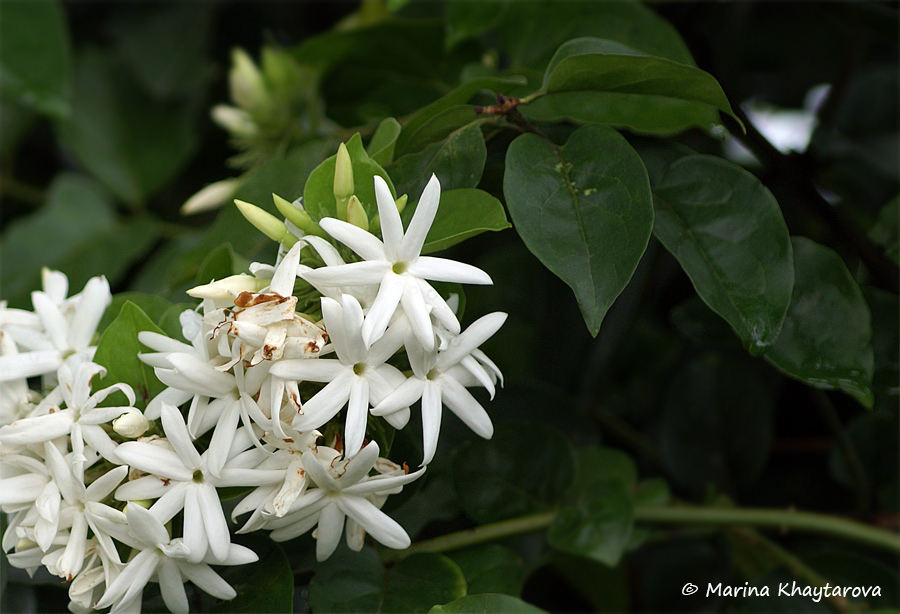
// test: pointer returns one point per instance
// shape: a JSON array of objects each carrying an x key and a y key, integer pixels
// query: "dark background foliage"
[{"x": 98, "y": 190}]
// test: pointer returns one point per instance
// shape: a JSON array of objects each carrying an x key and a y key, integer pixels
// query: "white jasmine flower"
[
  {"x": 67, "y": 327},
  {"x": 396, "y": 266},
  {"x": 437, "y": 381},
  {"x": 358, "y": 375},
  {"x": 164, "y": 559},
  {"x": 342, "y": 493},
  {"x": 184, "y": 482},
  {"x": 81, "y": 418}
]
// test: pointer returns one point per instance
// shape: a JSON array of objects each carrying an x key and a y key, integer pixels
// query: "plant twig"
[{"x": 698, "y": 516}]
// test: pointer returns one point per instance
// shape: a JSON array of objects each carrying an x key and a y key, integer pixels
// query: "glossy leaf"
[
  {"x": 826, "y": 338},
  {"x": 491, "y": 568},
  {"x": 420, "y": 581},
  {"x": 601, "y": 65},
  {"x": 381, "y": 147},
  {"x": 419, "y": 130},
  {"x": 457, "y": 161},
  {"x": 640, "y": 113},
  {"x": 462, "y": 214},
  {"x": 34, "y": 55},
  {"x": 716, "y": 425},
  {"x": 264, "y": 586},
  {"x": 726, "y": 230},
  {"x": 488, "y": 474},
  {"x": 118, "y": 348},
  {"x": 318, "y": 194},
  {"x": 153, "y": 306},
  {"x": 584, "y": 209},
  {"x": 597, "y": 524},
  {"x": 487, "y": 604},
  {"x": 348, "y": 582}
]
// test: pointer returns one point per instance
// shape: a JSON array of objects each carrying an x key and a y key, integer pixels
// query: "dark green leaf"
[
  {"x": 462, "y": 214},
  {"x": 348, "y": 582},
  {"x": 170, "y": 320},
  {"x": 716, "y": 424},
  {"x": 601, "y": 65},
  {"x": 826, "y": 338},
  {"x": 457, "y": 161},
  {"x": 176, "y": 67},
  {"x": 34, "y": 55},
  {"x": 583, "y": 209},
  {"x": 653, "y": 492},
  {"x": 873, "y": 437},
  {"x": 118, "y": 350},
  {"x": 129, "y": 141},
  {"x": 16, "y": 121},
  {"x": 381, "y": 147},
  {"x": 533, "y": 31},
  {"x": 491, "y": 568},
  {"x": 524, "y": 469},
  {"x": 318, "y": 195},
  {"x": 153, "y": 306},
  {"x": 726, "y": 230},
  {"x": 387, "y": 69},
  {"x": 486, "y": 604},
  {"x": 597, "y": 524},
  {"x": 75, "y": 232},
  {"x": 605, "y": 588},
  {"x": 264, "y": 586},
  {"x": 596, "y": 465},
  {"x": 420, "y": 129},
  {"x": 218, "y": 264},
  {"x": 885, "y": 344},
  {"x": 467, "y": 20},
  {"x": 885, "y": 232},
  {"x": 420, "y": 581},
  {"x": 641, "y": 113}
]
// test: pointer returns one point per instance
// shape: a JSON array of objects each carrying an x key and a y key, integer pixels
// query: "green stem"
[
  {"x": 532, "y": 96},
  {"x": 477, "y": 535},
  {"x": 772, "y": 518}
]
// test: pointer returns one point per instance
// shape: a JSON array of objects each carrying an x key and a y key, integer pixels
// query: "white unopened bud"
[
  {"x": 248, "y": 88},
  {"x": 235, "y": 121},
  {"x": 211, "y": 197},
  {"x": 131, "y": 424},
  {"x": 229, "y": 287}
]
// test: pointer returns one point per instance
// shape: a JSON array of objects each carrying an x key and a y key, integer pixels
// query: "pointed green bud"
[
  {"x": 343, "y": 181},
  {"x": 356, "y": 215},
  {"x": 236, "y": 121},
  {"x": 298, "y": 216},
  {"x": 401, "y": 203},
  {"x": 248, "y": 88},
  {"x": 266, "y": 223}
]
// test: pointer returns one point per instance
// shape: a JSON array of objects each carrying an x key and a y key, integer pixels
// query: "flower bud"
[
  {"x": 248, "y": 88},
  {"x": 401, "y": 203},
  {"x": 237, "y": 122},
  {"x": 211, "y": 197},
  {"x": 131, "y": 424},
  {"x": 297, "y": 215},
  {"x": 228, "y": 288},
  {"x": 356, "y": 215},
  {"x": 343, "y": 181},
  {"x": 266, "y": 223}
]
